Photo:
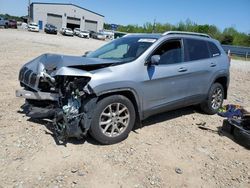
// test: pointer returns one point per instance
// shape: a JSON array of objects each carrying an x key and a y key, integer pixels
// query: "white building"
[{"x": 64, "y": 15}]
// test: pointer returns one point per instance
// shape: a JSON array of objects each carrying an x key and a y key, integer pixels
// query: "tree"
[
  {"x": 229, "y": 36},
  {"x": 227, "y": 39}
]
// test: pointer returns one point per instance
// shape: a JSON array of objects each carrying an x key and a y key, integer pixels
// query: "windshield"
[{"x": 123, "y": 49}]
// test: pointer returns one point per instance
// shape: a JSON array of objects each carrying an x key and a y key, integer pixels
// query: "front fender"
[{"x": 118, "y": 87}]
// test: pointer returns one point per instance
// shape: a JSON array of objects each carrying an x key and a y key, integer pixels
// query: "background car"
[
  {"x": 4, "y": 23},
  {"x": 100, "y": 36},
  {"x": 24, "y": 25},
  {"x": 76, "y": 31},
  {"x": 33, "y": 27},
  {"x": 62, "y": 30},
  {"x": 67, "y": 32},
  {"x": 50, "y": 29},
  {"x": 12, "y": 24},
  {"x": 83, "y": 34},
  {"x": 119, "y": 34},
  {"x": 91, "y": 33}
]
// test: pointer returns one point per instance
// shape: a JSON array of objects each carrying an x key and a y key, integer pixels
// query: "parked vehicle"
[
  {"x": 24, "y": 25},
  {"x": 62, "y": 30},
  {"x": 12, "y": 24},
  {"x": 119, "y": 34},
  {"x": 91, "y": 33},
  {"x": 67, "y": 32},
  {"x": 77, "y": 31},
  {"x": 109, "y": 34},
  {"x": 83, "y": 34},
  {"x": 33, "y": 27},
  {"x": 93, "y": 93},
  {"x": 4, "y": 23},
  {"x": 100, "y": 36},
  {"x": 50, "y": 29}
]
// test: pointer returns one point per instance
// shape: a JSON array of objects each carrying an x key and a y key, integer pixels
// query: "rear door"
[{"x": 200, "y": 67}]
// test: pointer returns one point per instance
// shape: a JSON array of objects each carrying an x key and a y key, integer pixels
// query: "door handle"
[
  {"x": 182, "y": 69},
  {"x": 212, "y": 65}
]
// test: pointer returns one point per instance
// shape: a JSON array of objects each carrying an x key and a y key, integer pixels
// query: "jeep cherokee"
[{"x": 127, "y": 80}]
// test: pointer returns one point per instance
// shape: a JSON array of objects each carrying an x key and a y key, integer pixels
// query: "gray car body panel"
[{"x": 156, "y": 88}]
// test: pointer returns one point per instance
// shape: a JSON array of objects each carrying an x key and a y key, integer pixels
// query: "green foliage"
[
  {"x": 229, "y": 36},
  {"x": 9, "y": 17},
  {"x": 227, "y": 39}
]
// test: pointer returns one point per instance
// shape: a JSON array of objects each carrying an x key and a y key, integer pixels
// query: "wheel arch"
[
  {"x": 223, "y": 80},
  {"x": 127, "y": 92}
]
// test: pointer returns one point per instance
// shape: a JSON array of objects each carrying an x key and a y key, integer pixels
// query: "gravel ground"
[{"x": 168, "y": 151}]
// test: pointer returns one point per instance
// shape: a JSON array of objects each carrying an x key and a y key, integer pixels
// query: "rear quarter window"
[
  {"x": 196, "y": 49},
  {"x": 214, "y": 50}
]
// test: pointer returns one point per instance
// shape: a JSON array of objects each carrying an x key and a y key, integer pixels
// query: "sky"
[{"x": 222, "y": 13}]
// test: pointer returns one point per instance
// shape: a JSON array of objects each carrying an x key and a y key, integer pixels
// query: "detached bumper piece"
[
  {"x": 37, "y": 95},
  {"x": 240, "y": 129},
  {"x": 37, "y": 112}
]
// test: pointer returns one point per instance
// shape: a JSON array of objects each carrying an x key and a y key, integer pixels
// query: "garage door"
[
  {"x": 75, "y": 21},
  {"x": 55, "y": 20},
  {"x": 90, "y": 25}
]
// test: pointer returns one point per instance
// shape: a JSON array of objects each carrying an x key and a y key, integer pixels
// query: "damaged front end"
[
  {"x": 75, "y": 109},
  {"x": 60, "y": 94}
]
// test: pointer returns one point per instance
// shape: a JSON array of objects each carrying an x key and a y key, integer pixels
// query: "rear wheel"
[
  {"x": 113, "y": 119},
  {"x": 214, "y": 100}
]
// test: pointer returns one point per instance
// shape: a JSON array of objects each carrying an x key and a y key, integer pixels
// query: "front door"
[{"x": 166, "y": 84}]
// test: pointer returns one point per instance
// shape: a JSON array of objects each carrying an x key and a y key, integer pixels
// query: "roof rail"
[{"x": 186, "y": 33}]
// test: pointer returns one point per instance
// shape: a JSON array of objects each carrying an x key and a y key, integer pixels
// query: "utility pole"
[
  {"x": 153, "y": 31},
  {"x": 28, "y": 20}
]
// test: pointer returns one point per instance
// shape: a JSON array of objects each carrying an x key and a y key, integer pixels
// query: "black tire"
[
  {"x": 207, "y": 105},
  {"x": 96, "y": 130}
]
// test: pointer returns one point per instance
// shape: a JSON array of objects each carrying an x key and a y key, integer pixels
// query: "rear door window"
[
  {"x": 196, "y": 49},
  {"x": 214, "y": 51}
]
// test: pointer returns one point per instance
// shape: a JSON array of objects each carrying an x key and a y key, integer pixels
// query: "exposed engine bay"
[{"x": 70, "y": 118}]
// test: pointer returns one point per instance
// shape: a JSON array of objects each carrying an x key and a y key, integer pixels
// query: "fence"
[{"x": 237, "y": 50}]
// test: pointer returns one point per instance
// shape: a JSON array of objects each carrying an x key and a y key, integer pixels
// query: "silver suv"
[{"x": 127, "y": 80}]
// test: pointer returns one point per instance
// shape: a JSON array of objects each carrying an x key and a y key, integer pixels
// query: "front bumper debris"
[{"x": 37, "y": 95}]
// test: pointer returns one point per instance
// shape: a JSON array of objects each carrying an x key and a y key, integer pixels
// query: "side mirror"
[
  {"x": 86, "y": 53},
  {"x": 154, "y": 60}
]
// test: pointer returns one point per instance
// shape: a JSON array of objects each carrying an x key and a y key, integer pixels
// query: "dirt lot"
[{"x": 29, "y": 156}]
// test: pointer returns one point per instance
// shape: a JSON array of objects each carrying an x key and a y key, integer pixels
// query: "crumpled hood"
[{"x": 52, "y": 62}]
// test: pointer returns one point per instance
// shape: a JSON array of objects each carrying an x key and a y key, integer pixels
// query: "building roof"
[{"x": 67, "y": 4}]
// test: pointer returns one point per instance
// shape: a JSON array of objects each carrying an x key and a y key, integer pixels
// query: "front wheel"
[
  {"x": 214, "y": 100},
  {"x": 113, "y": 119}
]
